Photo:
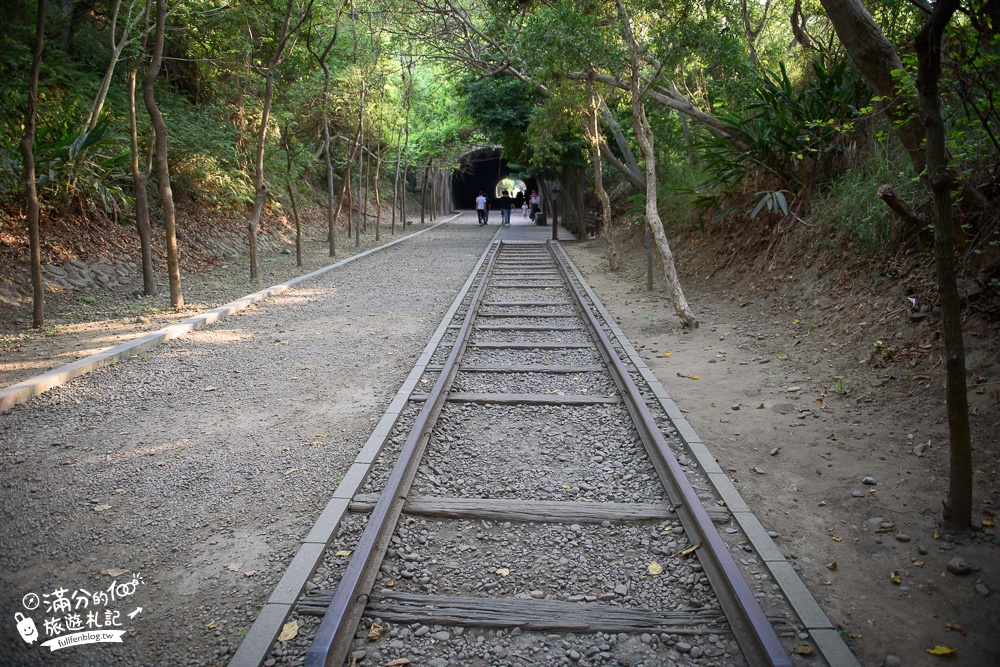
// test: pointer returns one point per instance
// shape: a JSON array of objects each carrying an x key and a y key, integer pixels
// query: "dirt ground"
[
  {"x": 790, "y": 405},
  {"x": 839, "y": 446}
]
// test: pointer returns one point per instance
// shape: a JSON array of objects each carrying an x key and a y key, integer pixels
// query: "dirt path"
[{"x": 760, "y": 386}]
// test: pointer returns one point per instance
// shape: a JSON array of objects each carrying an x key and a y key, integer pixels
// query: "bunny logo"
[{"x": 26, "y": 627}]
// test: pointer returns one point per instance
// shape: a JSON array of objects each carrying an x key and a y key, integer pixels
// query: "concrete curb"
[
  {"x": 256, "y": 646},
  {"x": 822, "y": 631},
  {"x": 23, "y": 391}
]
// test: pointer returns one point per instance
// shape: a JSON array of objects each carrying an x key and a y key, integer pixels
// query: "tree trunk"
[
  {"x": 331, "y": 218},
  {"x": 139, "y": 181},
  {"x": 958, "y": 508},
  {"x": 378, "y": 199},
  {"x": 298, "y": 224},
  {"x": 874, "y": 55},
  {"x": 162, "y": 166},
  {"x": 423, "y": 193},
  {"x": 644, "y": 136},
  {"x": 31, "y": 193},
  {"x": 260, "y": 188},
  {"x": 594, "y": 136}
]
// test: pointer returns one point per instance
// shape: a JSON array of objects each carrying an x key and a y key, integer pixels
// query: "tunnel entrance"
[{"x": 483, "y": 169}]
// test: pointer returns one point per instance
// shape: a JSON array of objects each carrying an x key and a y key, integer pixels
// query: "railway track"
[{"x": 531, "y": 506}]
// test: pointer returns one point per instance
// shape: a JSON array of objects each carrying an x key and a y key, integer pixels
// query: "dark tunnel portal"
[{"x": 481, "y": 170}]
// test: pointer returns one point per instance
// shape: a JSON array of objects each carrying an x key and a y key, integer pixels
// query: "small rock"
[
  {"x": 774, "y": 452},
  {"x": 922, "y": 550},
  {"x": 870, "y": 481},
  {"x": 683, "y": 647},
  {"x": 902, "y": 537},
  {"x": 421, "y": 631},
  {"x": 621, "y": 589},
  {"x": 857, "y": 494},
  {"x": 538, "y": 595},
  {"x": 573, "y": 655},
  {"x": 892, "y": 661},
  {"x": 441, "y": 636},
  {"x": 982, "y": 589},
  {"x": 695, "y": 651},
  {"x": 793, "y": 389},
  {"x": 957, "y": 565}
]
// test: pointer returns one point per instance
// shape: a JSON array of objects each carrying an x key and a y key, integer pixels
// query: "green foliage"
[
  {"x": 850, "y": 212},
  {"x": 789, "y": 137},
  {"x": 501, "y": 107}
]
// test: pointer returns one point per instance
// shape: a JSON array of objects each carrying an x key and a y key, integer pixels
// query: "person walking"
[
  {"x": 506, "y": 203},
  {"x": 481, "y": 208},
  {"x": 535, "y": 202}
]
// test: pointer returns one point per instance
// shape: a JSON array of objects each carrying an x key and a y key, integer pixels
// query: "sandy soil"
[{"x": 788, "y": 410}]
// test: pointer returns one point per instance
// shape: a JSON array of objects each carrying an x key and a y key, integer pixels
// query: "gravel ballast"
[{"x": 201, "y": 464}]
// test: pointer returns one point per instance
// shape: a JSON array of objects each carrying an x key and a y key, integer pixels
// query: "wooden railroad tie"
[
  {"x": 526, "y": 613},
  {"x": 523, "y": 399},
  {"x": 545, "y": 511},
  {"x": 525, "y": 368}
]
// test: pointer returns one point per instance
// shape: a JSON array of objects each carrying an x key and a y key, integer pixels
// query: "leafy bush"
[{"x": 787, "y": 138}]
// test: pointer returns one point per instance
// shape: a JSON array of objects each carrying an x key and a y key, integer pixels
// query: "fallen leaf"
[
  {"x": 234, "y": 567},
  {"x": 343, "y": 552},
  {"x": 238, "y": 488},
  {"x": 213, "y": 625},
  {"x": 759, "y": 471},
  {"x": 895, "y": 578},
  {"x": 290, "y": 471},
  {"x": 803, "y": 649},
  {"x": 940, "y": 650},
  {"x": 918, "y": 563},
  {"x": 398, "y": 662},
  {"x": 988, "y": 523},
  {"x": 250, "y": 573},
  {"x": 831, "y": 566},
  {"x": 711, "y": 405},
  {"x": 101, "y": 508},
  {"x": 937, "y": 535},
  {"x": 503, "y": 572},
  {"x": 667, "y": 353},
  {"x": 955, "y": 627},
  {"x": 211, "y": 389},
  {"x": 114, "y": 572},
  {"x": 654, "y": 568},
  {"x": 825, "y": 582},
  {"x": 375, "y": 631},
  {"x": 837, "y": 538},
  {"x": 289, "y": 631}
]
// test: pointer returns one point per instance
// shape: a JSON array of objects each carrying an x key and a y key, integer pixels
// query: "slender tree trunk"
[
  {"x": 644, "y": 136},
  {"x": 378, "y": 199},
  {"x": 594, "y": 135},
  {"x": 116, "y": 51},
  {"x": 139, "y": 183},
  {"x": 162, "y": 166},
  {"x": 331, "y": 217},
  {"x": 31, "y": 194},
  {"x": 260, "y": 188},
  {"x": 395, "y": 179},
  {"x": 298, "y": 224},
  {"x": 423, "y": 193},
  {"x": 958, "y": 508}
]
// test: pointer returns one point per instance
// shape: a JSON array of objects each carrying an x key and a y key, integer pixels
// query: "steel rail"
[
  {"x": 333, "y": 638},
  {"x": 753, "y": 631}
]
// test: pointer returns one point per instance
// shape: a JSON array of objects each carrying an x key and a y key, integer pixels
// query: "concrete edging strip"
[
  {"x": 25, "y": 390},
  {"x": 829, "y": 642},
  {"x": 256, "y": 645}
]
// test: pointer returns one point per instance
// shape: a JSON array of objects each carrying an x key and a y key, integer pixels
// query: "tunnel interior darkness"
[{"x": 481, "y": 169}]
